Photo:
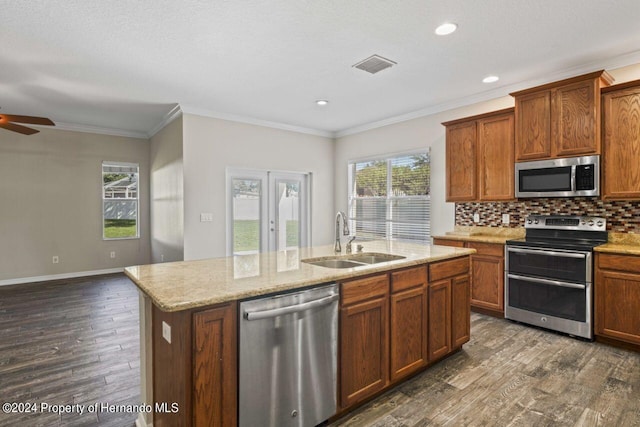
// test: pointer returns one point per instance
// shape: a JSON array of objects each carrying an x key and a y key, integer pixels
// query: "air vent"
[{"x": 374, "y": 63}]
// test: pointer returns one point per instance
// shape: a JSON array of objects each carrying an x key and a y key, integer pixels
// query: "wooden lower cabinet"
[
  {"x": 617, "y": 297},
  {"x": 487, "y": 275},
  {"x": 439, "y": 319},
  {"x": 408, "y": 334},
  {"x": 364, "y": 338},
  {"x": 198, "y": 369},
  {"x": 395, "y": 324},
  {"x": 214, "y": 367},
  {"x": 460, "y": 310}
]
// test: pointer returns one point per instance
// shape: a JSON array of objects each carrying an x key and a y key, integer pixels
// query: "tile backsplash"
[{"x": 622, "y": 216}]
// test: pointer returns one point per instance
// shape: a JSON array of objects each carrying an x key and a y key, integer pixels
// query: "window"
[
  {"x": 389, "y": 198},
  {"x": 120, "y": 200}
]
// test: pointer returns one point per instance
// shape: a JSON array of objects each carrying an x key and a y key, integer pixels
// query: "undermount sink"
[
  {"x": 350, "y": 261},
  {"x": 374, "y": 258},
  {"x": 334, "y": 263}
]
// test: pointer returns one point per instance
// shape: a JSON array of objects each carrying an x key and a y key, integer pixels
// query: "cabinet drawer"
[
  {"x": 444, "y": 269},
  {"x": 446, "y": 242},
  {"x": 364, "y": 289},
  {"x": 492, "y": 249},
  {"x": 409, "y": 278},
  {"x": 627, "y": 263}
]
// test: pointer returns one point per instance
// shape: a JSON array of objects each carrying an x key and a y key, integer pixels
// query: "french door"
[{"x": 266, "y": 211}]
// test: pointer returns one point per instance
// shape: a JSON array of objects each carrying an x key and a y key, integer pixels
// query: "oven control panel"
[{"x": 566, "y": 222}]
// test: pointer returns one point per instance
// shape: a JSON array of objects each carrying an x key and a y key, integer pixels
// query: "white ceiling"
[{"x": 126, "y": 64}]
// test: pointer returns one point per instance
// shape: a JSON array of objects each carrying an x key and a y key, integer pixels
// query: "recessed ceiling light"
[
  {"x": 322, "y": 102},
  {"x": 490, "y": 79},
  {"x": 446, "y": 28}
]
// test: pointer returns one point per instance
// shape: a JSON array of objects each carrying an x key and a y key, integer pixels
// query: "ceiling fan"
[{"x": 8, "y": 122}]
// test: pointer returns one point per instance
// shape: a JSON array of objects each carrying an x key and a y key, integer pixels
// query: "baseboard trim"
[{"x": 50, "y": 277}]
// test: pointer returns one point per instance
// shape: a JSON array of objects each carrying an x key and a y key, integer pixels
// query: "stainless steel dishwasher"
[{"x": 288, "y": 358}]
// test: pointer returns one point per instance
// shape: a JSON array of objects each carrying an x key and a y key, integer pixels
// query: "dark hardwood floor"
[
  {"x": 67, "y": 343},
  {"x": 514, "y": 375}
]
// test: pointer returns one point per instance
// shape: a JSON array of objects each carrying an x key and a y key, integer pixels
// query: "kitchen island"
[{"x": 189, "y": 321}]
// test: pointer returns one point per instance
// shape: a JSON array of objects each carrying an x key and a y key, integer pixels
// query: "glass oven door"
[
  {"x": 554, "y": 264},
  {"x": 555, "y": 298}
]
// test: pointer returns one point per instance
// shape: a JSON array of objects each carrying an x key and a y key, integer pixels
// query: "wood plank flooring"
[
  {"x": 77, "y": 342},
  {"x": 514, "y": 375},
  {"x": 70, "y": 342}
]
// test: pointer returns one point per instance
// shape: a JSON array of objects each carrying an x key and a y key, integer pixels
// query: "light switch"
[
  {"x": 206, "y": 217},
  {"x": 166, "y": 331},
  {"x": 505, "y": 219}
]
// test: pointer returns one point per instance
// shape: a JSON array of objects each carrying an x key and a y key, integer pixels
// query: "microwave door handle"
[
  {"x": 546, "y": 281},
  {"x": 545, "y": 252},
  {"x": 573, "y": 178}
]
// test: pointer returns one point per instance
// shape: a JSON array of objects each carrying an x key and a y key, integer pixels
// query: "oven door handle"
[
  {"x": 546, "y": 281},
  {"x": 546, "y": 252}
]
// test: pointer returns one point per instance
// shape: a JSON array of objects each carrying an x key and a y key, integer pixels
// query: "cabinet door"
[
  {"x": 460, "y": 311},
  {"x": 364, "y": 345},
  {"x": 533, "y": 126},
  {"x": 215, "y": 367},
  {"x": 575, "y": 114},
  {"x": 621, "y": 148},
  {"x": 487, "y": 290},
  {"x": 408, "y": 331},
  {"x": 496, "y": 158},
  {"x": 461, "y": 162},
  {"x": 617, "y": 297},
  {"x": 439, "y": 319}
]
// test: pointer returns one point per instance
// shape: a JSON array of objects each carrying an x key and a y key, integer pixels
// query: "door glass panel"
[
  {"x": 566, "y": 303},
  {"x": 247, "y": 195},
  {"x": 288, "y": 214}
]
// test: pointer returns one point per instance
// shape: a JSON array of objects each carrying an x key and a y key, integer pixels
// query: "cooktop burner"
[{"x": 563, "y": 232}]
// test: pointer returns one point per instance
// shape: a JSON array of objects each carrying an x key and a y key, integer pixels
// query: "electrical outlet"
[
  {"x": 166, "y": 331},
  {"x": 206, "y": 217},
  {"x": 476, "y": 217},
  {"x": 505, "y": 219},
  {"x": 55, "y": 259},
  {"x": 112, "y": 254}
]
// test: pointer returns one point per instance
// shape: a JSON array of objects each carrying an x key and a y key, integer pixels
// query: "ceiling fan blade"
[
  {"x": 18, "y": 128},
  {"x": 28, "y": 119}
]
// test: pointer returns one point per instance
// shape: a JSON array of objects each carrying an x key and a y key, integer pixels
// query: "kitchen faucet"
[{"x": 345, "y": 230}]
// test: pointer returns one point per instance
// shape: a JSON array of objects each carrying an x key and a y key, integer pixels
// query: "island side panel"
[{"x": 172, "y": 368}]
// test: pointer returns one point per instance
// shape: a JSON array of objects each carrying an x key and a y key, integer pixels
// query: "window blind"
[{"x": 390, "y": 198}]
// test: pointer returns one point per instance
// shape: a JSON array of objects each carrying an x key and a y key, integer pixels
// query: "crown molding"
[
  {"x": 95, "y": 129},
  {"x": 173, "y": 114},
  {"x": 620, "y": 61},
  {"x": 253, "y": 121}
]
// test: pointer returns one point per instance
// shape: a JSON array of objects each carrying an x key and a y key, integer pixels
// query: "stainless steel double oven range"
[{"x": 549, "y": 273}]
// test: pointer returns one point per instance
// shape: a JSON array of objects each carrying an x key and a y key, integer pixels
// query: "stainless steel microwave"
[{"x": 565, "y": 177}]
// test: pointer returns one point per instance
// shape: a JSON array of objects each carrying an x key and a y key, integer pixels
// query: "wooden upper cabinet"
[
  {"x": 461, "y": 162},
  {"x": 533, "y": 126},
  {"x": 496, "y": 158},
  {"x": 621, "y": 146},
  {"x": 560, "y": 119},
  {"x": 480, "y": 157}
]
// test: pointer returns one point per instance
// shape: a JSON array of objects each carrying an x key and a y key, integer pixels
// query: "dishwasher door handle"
[{"x": 257, "y": 315}]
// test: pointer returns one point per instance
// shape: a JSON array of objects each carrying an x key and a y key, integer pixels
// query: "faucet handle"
[{"x": 349, "y": 244}]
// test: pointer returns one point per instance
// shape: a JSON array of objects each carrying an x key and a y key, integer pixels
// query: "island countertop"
[{"x": 176, "y": 286}]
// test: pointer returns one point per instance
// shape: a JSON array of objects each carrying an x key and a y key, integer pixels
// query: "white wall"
[
  {"x": 167, "y": 194},
  {"x": 51, "y": 187},
  {"x": 211, "y": 145}
]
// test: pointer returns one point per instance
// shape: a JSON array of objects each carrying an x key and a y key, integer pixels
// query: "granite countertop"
[
  {"x": 483, "y": 234},
  {"x": 184, "y": 285},
  {"x": 621, "y": 243}
]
